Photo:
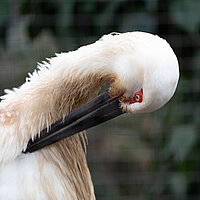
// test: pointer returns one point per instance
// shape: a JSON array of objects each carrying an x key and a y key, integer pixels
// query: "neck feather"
[{"x": 52, "y": 92}]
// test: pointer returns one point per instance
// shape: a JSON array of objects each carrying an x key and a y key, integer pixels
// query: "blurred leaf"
[
  {"x": 186, "y": 14},
  {"x": 45, "y": 43},
  {"x": 178, "y": 185},
  {"x": 107, "y": 17},
  {"x": 88, "y": 7},
  {"x": 64, "y": 18},
  {"x": 181, "y": 141},
  {"x": 4, "y": 10},
  {"x": 20, "y": 39},
  {"x": 197, "y": 60},
  {"x": 151, "y": 5},
  {"x": 138, "y": 21}
]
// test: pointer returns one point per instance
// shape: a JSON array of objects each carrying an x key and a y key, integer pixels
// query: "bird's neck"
[{"x": 60, "y": 86}]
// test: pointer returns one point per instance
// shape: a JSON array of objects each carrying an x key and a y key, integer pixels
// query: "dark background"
[{"x": 143, "y": 157}]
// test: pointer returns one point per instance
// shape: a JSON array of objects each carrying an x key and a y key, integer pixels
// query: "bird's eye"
[{"x": 137, "y": 97}]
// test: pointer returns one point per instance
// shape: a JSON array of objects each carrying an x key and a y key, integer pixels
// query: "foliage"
[
  {"x": 186, "y": 14},
  {"x": 152, "y": 156}
]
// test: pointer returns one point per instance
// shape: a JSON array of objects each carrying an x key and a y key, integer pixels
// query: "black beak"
[{"x": 100, "y": 109}]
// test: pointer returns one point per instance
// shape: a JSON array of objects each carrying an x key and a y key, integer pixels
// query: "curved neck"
[{"x": 56, "y": 89}]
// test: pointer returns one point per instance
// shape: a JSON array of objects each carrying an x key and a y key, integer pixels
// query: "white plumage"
[{"x": 131, "y": 61}]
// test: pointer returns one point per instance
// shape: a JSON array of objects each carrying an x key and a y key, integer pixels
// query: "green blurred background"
[{"x": 143, "y": 157}]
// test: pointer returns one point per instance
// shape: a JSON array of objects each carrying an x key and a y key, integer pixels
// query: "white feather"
[{"x": 137, "y": 60}]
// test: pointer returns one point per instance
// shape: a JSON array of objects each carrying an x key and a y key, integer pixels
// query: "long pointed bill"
[{"x": 100, "y": 109}]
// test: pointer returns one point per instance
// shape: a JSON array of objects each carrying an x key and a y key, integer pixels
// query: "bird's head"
[{"x": 147, "y": 76}]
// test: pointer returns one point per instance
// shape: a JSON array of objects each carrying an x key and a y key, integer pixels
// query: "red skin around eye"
[{"x": 133, "y": 99}]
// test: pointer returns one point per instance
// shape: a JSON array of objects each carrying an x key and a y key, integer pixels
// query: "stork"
[{"x": 143, "y": 71}]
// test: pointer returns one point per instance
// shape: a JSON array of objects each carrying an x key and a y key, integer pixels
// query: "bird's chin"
[
  {"x": 129, "y": 108},
  {"x": 136, "y": 108}
]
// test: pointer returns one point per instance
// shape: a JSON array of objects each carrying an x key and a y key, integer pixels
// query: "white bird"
[{"x": 143, "y": 71}]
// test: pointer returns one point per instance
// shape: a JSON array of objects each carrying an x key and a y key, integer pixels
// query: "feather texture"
[{"x": 130, "y": 61}]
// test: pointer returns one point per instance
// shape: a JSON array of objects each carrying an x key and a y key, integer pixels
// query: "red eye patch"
[{"x": 138, "y": 97}]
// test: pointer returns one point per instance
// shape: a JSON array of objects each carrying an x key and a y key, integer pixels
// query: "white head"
[{"x": 148, "y": 75}]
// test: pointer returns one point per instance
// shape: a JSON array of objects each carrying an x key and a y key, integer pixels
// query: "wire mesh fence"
[{"x": 148, "y": 156}]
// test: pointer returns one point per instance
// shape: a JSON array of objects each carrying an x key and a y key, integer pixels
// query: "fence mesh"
[{"x": 141, "y": 157}]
